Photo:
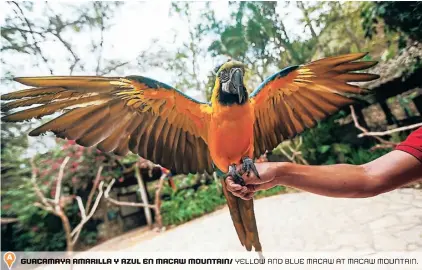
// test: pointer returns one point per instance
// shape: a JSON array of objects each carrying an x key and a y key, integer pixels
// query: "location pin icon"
[{"x": 9, "y": 258}]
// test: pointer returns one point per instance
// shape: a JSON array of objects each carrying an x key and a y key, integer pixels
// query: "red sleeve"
[{"x": 413, "y": 144}]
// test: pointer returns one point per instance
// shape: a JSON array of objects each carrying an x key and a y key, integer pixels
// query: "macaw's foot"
[
  {"x": 248, "y": 165},
  {"x": 235, "y": 175}
]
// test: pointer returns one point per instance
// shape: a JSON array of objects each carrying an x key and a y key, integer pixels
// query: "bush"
[
  {"x": 331, "y": 143},
  {"x": 36, "y": 229},
  {"x": 187, "y": 204}
]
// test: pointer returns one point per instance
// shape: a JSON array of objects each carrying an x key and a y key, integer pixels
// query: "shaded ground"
[{"x": 298, "y": 222}]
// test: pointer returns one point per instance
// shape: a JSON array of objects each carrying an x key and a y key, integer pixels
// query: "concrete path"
[{"x": 300, "y": 222}]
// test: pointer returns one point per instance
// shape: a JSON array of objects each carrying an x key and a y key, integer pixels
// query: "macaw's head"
[{"x": 229, "y": 88}]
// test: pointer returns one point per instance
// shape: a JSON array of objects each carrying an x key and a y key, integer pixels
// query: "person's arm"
[
  {"x": 384, "y": 174},
  {"x": 395, "y": 169}
]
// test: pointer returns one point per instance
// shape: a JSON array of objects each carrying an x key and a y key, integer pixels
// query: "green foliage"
[
  {"x": 24, "y": 34},
  {"x": 186, "y": 62},
  {"x": 253, "y": 37},
  {"x": 361, "y": 156},
  {"x": 39, "y": 231},
  {"x": 401, "y": 17},
  {"x": 188, "y": 204},
  {"x": 318, "y": 142},
  {"x": 35, "y": 225},
  {"x": 328, "y": 143},
  {"x": 270, "y": 192},
  {"x": 14, "y": 168}
]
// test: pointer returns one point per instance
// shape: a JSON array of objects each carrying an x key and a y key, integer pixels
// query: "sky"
[{"x": 135, "y": 27}]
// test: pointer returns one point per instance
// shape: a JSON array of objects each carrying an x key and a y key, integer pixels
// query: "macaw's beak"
[{"x": 236, "y": 84}]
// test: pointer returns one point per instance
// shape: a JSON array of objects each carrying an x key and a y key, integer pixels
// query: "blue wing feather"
[
  {"x": 277, "y": 75},
  {"x": 156, "y": 84}
]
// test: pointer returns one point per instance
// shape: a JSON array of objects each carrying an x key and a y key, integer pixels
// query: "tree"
[
  {"x": 186, "y": 62},
  {"x": 24, "y": 34},
  {"x": 400, "y": 17},
  {"x": 27, "y": 39}
]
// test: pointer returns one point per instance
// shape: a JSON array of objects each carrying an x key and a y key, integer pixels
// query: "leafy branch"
[
  {"x": 157, "y": 204},
  {"x": 57, "y": 205}
]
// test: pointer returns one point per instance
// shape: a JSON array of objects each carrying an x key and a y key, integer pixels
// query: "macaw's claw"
[
  {"x": 248, "y": 165},
  {"x": 235, "y": 175}
]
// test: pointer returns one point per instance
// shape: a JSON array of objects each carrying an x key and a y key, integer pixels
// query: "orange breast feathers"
[{"x": 230, "y": 134}]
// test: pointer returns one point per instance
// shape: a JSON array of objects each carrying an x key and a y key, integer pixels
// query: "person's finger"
[
  {"x": 251, "y": 188},
  {"x": 251, "y": 179},
  {"x": 243, "y": 190},
  {"x": 237, "y": 188},
  {"x": 238, "y": 194},
  {"x": 264, "y": 186},
  {"x": 230, "y": 182},
  {"x": 241, "y": 193},
  {"x": 231, "y": 185},
  {"x": 234, "y": 188},
  {"x": 229, "y": 179}
]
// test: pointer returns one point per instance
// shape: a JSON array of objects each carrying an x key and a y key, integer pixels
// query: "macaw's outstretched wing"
[
  {"x": 119, "y": 114},
  {"x": 296, "y": 97}
]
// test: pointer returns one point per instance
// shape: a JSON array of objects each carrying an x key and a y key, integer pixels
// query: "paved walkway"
[{"x": 299, "y": 222}]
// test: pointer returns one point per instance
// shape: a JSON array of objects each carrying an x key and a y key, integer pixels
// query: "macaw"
[{"x": 162, "y": 124}]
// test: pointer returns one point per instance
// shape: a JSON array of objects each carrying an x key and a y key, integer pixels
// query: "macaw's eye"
[{"x": 224, "y": 76}]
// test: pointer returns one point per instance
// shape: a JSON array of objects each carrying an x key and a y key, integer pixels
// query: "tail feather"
[
  {"x": 235, "y": 213},
  {"x": 248, "y": 217},
  {"x": 243, "y": 217}
]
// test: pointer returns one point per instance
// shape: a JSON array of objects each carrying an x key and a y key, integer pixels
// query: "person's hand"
[{"x": 267, "y": 172}]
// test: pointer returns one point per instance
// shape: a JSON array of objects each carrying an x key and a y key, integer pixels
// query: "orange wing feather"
[
  {"x": 120, "y": 114},
  {"x": 297, "y": 97}
]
